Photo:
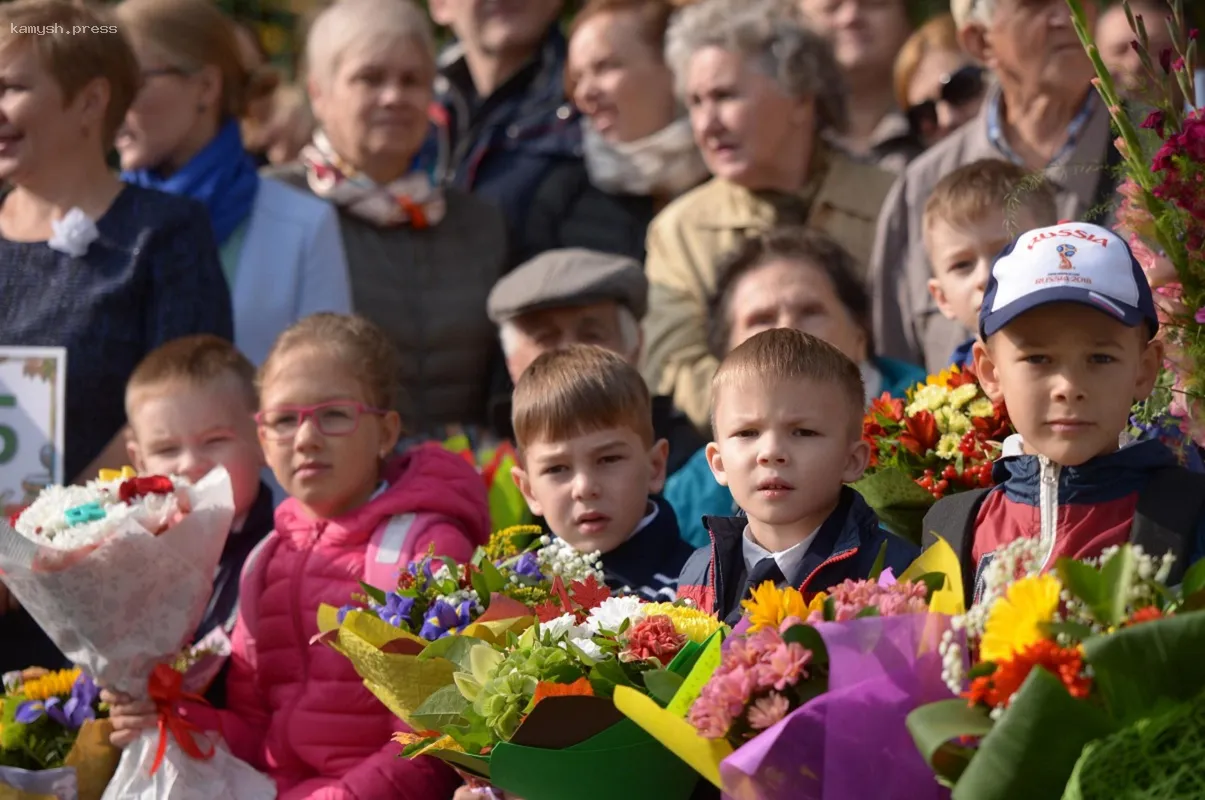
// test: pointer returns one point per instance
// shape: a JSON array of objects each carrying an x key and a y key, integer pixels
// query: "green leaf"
[
  {"x": 1194, "y": 579},
  {"x": 662, "y": 684},
  {"x": 869, "y": 611},
  {"x": 1137, "y": 669},
  {"x": 981, "y": 670},
  {"x": 1194, "y": 602},
  {"x": 495, "y": 581},
  {"x": 451, "y": 648},
  {"x": 481, "y": 587},
  {"x": 933, "y": 581},
  {"x": 811, "y": 640},
  {"x": 606, "y": 675},
  {"x": 1031, "y": 751},
  {"x": 1084, "y": 582},
  {"x": 374, "y": 594},
  {"x": 933, "y": 726},
  {"x": 876, "y": 569},
  {"x": 1117, "y": 574},
  {"x": 445, "y": 707},
  {"x": 1078, "y": 631}
]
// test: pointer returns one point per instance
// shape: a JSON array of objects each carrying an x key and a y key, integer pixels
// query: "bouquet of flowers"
[
  {"x": 1162, "y": 212},
  {"x": 533, "y": 714},
  {"x": 1082, "y": 683},
  {"x": 790, "y": 706},
  {"x": 384, "y": 631},
  {"x": 54, "y": 740},
  {"x": 941, "y": 439},
  {"x": 117, "y": 573}
]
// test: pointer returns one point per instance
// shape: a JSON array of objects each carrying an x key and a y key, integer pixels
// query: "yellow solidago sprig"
[
  {"x": 692, "y": 623},
  {"x": 510, "y": 542}
]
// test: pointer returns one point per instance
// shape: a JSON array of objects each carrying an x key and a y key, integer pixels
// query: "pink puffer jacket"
[{"x": 298, "y": 711}]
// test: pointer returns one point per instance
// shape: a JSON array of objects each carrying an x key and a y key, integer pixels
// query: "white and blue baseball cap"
[{"x": 1073, "y": 262}]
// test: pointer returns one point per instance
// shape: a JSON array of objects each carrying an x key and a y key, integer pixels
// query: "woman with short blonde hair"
[
  {"x": 422, "y": 258},
  {"x": 281, "y": 249},
  {"x": 937, "y": 84}
]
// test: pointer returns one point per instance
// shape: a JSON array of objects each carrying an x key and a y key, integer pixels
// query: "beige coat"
[
  {"x": 907, "y": 324},
  {"x": 688, "y": 240}
]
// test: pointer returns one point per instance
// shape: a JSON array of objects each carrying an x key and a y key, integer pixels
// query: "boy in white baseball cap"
[{"x": 1066, "y": 332}]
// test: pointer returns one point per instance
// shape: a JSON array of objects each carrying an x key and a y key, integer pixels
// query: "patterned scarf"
[
  {"x": 410, "y": 200},
  {"x": 665, "y": 164}
]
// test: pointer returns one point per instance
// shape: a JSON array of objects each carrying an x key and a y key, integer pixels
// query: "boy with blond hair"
[
  {"x": 1067, "y": 342},
  {"x": 787, "y": 418},
  {"x": 590, "y": 466},
  {"x": 190, "y": 405},
  {"x": 972, "y": 214}
]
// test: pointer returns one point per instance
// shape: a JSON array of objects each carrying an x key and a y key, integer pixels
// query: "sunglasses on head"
[{"x": 958, "y": 88}]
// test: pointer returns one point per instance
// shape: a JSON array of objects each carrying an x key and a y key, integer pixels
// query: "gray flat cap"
[{"x": 566, "y": 278}]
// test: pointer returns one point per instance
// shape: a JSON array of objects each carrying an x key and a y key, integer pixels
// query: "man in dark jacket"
[
  {"x": 574, "y": 296},
  {"x": 503, "y": 117}
]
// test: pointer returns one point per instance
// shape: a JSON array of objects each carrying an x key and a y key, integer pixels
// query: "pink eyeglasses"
[{"x": 335, "y": 418}]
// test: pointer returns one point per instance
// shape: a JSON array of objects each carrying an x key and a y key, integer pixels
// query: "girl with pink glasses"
[{"x": 356, "y": 512}]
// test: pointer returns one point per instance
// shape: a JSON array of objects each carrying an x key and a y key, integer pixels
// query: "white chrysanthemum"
[
  {"x": 981, "y": 408},
  {"x": 557, "y": 628},
  {"x": 964, "y": 394},
  {"x": 46, "y": 521},
  {"x": 587, "y": 646},
  {"x": 947, "y": 446},
  {"x": 611, "y": 613},
  {"x": 928, "y": 398}
]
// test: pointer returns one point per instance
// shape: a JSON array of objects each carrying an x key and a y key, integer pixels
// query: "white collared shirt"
[{"x": 788, "y": 560}]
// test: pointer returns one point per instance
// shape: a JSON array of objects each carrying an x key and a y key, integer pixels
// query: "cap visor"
[{"x": 1125, "y": 314}]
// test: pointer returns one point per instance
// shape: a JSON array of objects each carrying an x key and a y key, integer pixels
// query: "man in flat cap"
[{"x": 574, "y": 296}]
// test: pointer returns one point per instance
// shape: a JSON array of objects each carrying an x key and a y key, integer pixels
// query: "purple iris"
[
  {"x": 71, "y": 713},
  {"x": 344, "y": 611},
  {"x": 396, "y": 610},
  {"x": 443, "y": 618},
  {"x": 528, "y": 565},
  {"x": 426, "y": 569}
]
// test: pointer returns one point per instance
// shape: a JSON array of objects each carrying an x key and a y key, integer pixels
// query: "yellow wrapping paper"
[
  {"x": 940, "y": 557},
  {"x": 94, "y": 758}
]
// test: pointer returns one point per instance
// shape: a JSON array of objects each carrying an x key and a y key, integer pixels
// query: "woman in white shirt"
[{"x": 281, "y": 249}]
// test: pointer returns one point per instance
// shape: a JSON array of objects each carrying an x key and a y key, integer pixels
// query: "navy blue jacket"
[
  {"x": 845, "y": 547},
  {"x": 649, "y": 563}
]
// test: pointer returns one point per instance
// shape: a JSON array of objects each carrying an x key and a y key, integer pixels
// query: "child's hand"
[{"x": 130, "y": 717}]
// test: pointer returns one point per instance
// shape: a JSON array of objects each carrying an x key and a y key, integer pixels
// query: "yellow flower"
[
  {"x": 692, "y": 623},
  {"x": 109, "y": 475},
  {"x": 949, "y": 421},
  {"x": 817, "y": 603},
  {"x": 771, "y": 605},
  {"x": 947, "y": 446},
  {"x": 942, "y": 378},
  {"x": 981, "y": 408},
  {"x": 503, "y": 543},
  {"x": 928, "y": 398},
  {"x": 53, "y": 684},
  {"x": 964, "y": 394},
  {"x": 1012, "y": 624}
]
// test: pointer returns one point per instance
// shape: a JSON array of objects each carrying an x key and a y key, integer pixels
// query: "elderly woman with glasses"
[
  {"x": 936, "y": 82},
  {"x": 280, "y": 247},
  {"x": 761, "y": 90}
]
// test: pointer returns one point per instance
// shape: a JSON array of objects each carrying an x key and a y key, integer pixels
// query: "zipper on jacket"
[
  {"x": 715, "y": 587},
  {"x": 839, "y": 557},
  {"x": 299, "y": 630},
  {"x": 1048, "y": 507}
]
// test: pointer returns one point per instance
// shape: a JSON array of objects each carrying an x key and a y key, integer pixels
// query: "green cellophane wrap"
[{"x": 1160, "y": 758}]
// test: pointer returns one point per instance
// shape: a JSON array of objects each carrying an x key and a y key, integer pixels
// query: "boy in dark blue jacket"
[
  {"x": 589, "y": 465},
  {"x": 787, "y": 418}
]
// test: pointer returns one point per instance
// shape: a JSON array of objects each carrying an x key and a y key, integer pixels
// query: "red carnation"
[
  {"x": 140, "y": 487},
  {"x": 653, "y": 637}
]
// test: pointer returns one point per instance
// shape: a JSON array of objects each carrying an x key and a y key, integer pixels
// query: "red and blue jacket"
[
  {"x": 1076, "y": 512},
  {"x": 846, "y": 546}
]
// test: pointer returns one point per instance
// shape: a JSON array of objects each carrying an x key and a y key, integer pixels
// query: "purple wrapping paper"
[{"x": 851, "y": 742}]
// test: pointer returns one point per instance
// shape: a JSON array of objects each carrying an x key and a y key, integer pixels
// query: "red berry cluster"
[{"x": 976, "y": 473}]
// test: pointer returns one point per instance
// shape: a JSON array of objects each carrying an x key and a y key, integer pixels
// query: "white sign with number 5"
[{"x": 33, "y": 384}]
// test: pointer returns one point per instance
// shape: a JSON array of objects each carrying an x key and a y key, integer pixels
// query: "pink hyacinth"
[{"x": 853, "y": 597}]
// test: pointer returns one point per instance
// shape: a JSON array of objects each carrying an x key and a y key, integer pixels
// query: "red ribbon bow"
[
  {"x": 140, "y": 487},
  {"x": 167, "y": 690}
]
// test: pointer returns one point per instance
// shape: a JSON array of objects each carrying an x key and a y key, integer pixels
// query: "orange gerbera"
[
  {"x": 546, "y": 689},
  {"x": 1065, "y": 663}
]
